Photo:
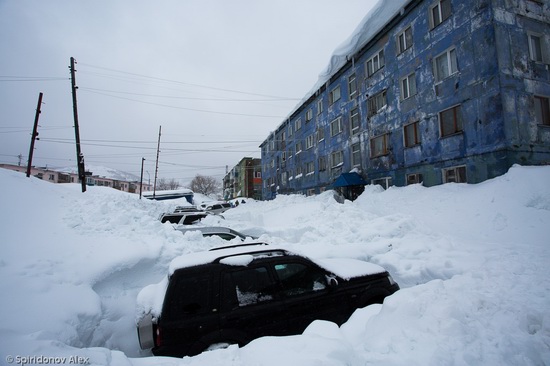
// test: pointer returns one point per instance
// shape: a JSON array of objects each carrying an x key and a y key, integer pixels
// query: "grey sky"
[{"x": 217, "y": 75}]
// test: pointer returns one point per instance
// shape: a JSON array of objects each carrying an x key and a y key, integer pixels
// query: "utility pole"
[
  {"x": 141, "y": 180},
  {"x": 157, "y": 166},
  {"x": 34, "y": 133},
  {"x": 79, "y": 156}
]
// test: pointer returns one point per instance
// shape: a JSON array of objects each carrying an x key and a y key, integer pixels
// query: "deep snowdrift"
[{"x": 473, "y": 262}]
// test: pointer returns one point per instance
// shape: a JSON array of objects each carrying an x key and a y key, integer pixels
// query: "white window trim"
[
  {"x": 447, "y": 53},
  {"x": 339, "y": 124},
  {"x": 403, "y": 34},
  {"x": 407, "y": 78}
]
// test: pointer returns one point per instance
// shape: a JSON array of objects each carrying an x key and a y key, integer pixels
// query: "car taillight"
[{"x": 158, "y": 339}]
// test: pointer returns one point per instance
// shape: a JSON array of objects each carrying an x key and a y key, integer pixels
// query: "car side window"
[
  {"x": 298, "y": 278},
  {"x": 189, "y": 296},
  {"x": 247, "y": 287}
]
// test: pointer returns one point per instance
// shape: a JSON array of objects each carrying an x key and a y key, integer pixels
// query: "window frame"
[
  {"x": 333, "y": 97},
  {"x": 340, "y": 160},
  {"x": 457, "y": 169},
  {"x": 417, "y": 178},
  {"x": 449, "y": 63},
  {"x": 458, "y": 121},
  {"x": 309, "y": 141},
  {"x": 356, "y": 154},
  {"x": 532, "y": 56},
  {"x": 340, "y": 128},
  {"x": 374, "y": 101},
  {"x": 406, "y": 90},
  {"x": 542, "y": 110},
  {"x": 319, "y": 106},
  {"x": 297, "y": 125},
  {"x": 354, "y": 117},
  {"x": 407, "y": 37},
  {"x": 442, "y": 17},
  {"x": 309, "y": 115},
  {"x": 416, "y": 136},
  {"x": 352, "y": 86},
  {"x": 380, "y": 63},
  {"x": 385, "y": 145}
]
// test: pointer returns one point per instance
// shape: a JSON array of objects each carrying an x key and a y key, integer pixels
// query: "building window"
[
  {"x": 309, "y": 142},
  {"x": 404, "y": 40},
  {"x": 290, "y": 131},
  {"x": 450, "y": 121},
  {"x": 319, "y": 106},
  {"x": 445, "y": 65},
  {"x": 383, "y": 182},
  {"x": 298, "y": 171},
  {"x": 284, "y": 178},
  {"x": 411, "y": 134},
  {"x": 355, "y": 122},
  {"x": 337, "y": 159},
  {"x": 322, "y": 163},
  {"x": 415, "y": 178},
  {"x": 336, "y": 126},
  {"x": 334, "y": 95},
  {"x": 542, "y": 110},
  {"x": 297, "y": 124},
  {"x": 408, "y": 86},
  {"x": 455, "y": 174},
  {"x": 535, "y": 47},
  {"x": 283, "y": 156},
  {"x": 356, "y": 154},
  {"x": 376, "y": 103},
  {"x": 352, "y": 86},
  {"x": 439, "y": 12},
  {"x": 320, "y": 133},
  {"x": 309, "y": 115},
  {"x": 375, "y": 63},
  {"x": 310, "y": 168},
  {"x": 379, "y": 145}
]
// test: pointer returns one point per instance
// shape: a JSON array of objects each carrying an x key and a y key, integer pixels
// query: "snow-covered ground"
[{"x": 473, "y": 263}]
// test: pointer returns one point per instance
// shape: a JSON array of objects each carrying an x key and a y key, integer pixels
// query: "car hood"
[{"x": 349, "y": 268}]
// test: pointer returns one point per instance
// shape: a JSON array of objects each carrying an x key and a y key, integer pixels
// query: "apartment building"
[{"x": 432, "y": 92}]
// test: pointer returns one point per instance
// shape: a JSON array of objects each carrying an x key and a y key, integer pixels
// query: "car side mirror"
[{"x": 332, "y": 281}]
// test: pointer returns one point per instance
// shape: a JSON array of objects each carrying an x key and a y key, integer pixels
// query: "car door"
[
  {"x": 190, "y": 311},
  {"x": 308, "y": 295},
  {"x": 251, "y": 305}
]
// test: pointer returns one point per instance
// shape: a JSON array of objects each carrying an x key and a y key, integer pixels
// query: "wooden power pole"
[
  {"x": 79, "y": 156},
  {"x": 157, "y": 167},
  {"x": 34, "y": 133}
]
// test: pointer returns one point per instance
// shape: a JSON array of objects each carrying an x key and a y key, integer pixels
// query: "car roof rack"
[{"x": 237, "y": 246}]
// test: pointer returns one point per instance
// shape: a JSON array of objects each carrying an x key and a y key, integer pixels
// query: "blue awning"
[{"x": 349, "y": 179}]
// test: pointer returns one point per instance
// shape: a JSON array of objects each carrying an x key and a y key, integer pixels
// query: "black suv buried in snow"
[{"x": 235, "y": 294}]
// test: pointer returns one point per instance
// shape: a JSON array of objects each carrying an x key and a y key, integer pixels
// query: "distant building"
[
  {"x": 244, "y": 180},
  {"x": 54, "y": 176},
  {"x": 440, "y": 91}
]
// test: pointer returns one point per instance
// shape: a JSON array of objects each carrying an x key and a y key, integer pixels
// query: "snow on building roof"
[{"x": 375, "y": 20}]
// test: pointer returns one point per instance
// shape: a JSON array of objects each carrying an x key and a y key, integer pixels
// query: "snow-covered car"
[
  {"x": 234, "y": 294},
  {"x": 223, "y": 232},
  {"x": 215, "y": 207},
  {"x": 183, "y": 215}
]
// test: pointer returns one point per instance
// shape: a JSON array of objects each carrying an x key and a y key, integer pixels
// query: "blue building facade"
[{"x": 445, "y": 91}]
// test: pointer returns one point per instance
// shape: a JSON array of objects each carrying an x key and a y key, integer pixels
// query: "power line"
[
  {"x": 184, "y": 108},
  {"x": 188, "y": 98},
  {"x": 185, "y": 83}
]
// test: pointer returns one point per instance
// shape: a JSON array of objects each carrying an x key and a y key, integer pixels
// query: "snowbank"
[{"x": 472, "y": 262}]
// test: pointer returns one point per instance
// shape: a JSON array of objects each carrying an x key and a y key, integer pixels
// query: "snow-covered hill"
[{"x": 473, "y": 262}]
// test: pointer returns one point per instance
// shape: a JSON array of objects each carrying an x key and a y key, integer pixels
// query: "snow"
[
  {"x": 375, "y": 20},
  {"x": 472, "y": 262}
]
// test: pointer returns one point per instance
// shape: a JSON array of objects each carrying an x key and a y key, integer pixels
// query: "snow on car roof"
[{"x": 198, "y": 258}]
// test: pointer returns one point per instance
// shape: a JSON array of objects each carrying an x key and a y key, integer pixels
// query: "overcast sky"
[{"x": 217, "y": 75}]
